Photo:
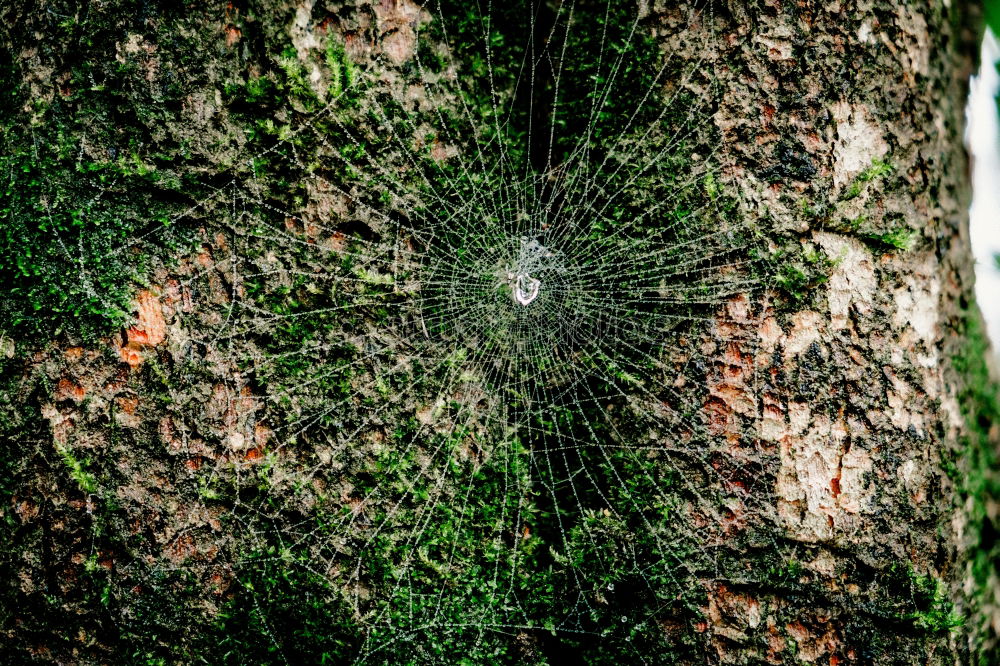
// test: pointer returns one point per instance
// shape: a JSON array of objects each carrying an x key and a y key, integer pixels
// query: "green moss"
[
  {"x": 279, "y": 612},
  {"x": 901, "y": 239},
  {"x": 800, "y": 269},
  {"x": 433, "y": 568},
  {"x": 77, "y": 469},
  {"x": 878, "y": 169},
  {"x": 938, "y": 614},
  {"x": 82, "y": 187},
  {"x": 342, "y": 73},
  {"x": 256, "y": 90},
  {"x": 55, "y": 238},
  {"x": 976, "y": 464},
  {"x": 785, "y": 573},
  {"x": 297, "y": 79}
]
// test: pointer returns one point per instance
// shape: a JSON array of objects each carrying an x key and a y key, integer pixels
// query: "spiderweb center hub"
[
  {"x": 530, "y": 259},
  {"x": 526, "y": 289}
]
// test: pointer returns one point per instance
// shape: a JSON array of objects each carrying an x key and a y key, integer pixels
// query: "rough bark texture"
[
  {"x": 856, "y": 418},
  {"x": 861, "y": 399}
]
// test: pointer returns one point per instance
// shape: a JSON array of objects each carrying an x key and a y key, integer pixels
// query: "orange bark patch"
[
  {"x": 182, "y": 548},
  {"x": 126, "y": 404},
  {"x": 150, "y": 329},
  {"x": 219, "y": 583},
  {"x": 353, "y": 44},
  {"x": 775, "y": 644},
  {"x": 233, "y": 33},
  {"x": 261, "y": 434},
  {"x": 337, "y": 242},
  {"x": 204, "y": 258},
  {"x": 324, "y": 25},
  {"x": 814, "y": 643},
  {"x": 798, "y": 631},
  {"x": 131, "y": 356},
  {"x": 69, "y": 390},
  {"x": 729, "y": 386},
  {"x": 732, "y": 618}
]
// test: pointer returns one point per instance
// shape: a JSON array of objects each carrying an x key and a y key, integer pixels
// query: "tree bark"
[{"x": 175, "y": 485}]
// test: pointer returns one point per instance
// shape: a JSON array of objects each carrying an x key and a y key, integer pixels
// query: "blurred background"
[{"x": 983, "y": 138}]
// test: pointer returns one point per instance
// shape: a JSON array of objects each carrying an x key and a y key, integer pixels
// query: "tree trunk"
[{"x": 532, "y": 333}]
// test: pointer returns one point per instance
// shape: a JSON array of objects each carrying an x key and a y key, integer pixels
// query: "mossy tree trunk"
[
  {"x": 844, "y": 127},
  {"x": 849, "y": 405}
]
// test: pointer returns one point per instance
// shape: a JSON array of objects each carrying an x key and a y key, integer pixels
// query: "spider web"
[{"x": 484, "y": 310}]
